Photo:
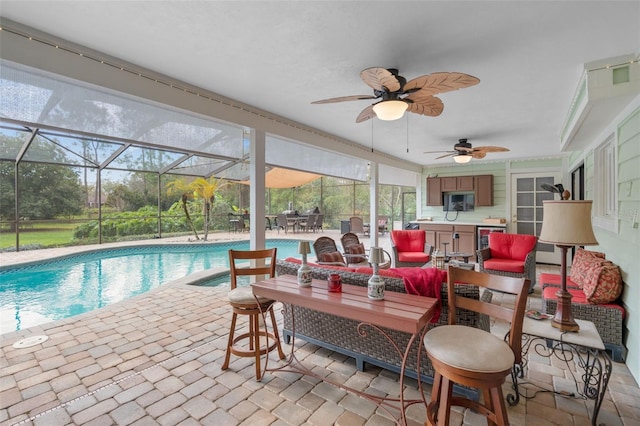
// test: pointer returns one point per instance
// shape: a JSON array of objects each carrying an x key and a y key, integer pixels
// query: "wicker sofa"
[
  {"x": 607, "y": 317},
  {"x": 340, "y": 335}
]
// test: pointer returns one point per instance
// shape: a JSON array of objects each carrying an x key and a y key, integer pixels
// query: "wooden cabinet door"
[
  {"x": 449, "y": 184},
  {"x": 484, "y": 190},
  {"x": 467, "y": 241},
  {"x": 434, "y": 192},
  {"x": 465, "y": 183},
  {"x": 430, "y": 237},
  {"x": 444, "y": 237}
]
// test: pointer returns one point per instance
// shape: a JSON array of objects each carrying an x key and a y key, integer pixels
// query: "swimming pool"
[{"x": 45, "y": 291}]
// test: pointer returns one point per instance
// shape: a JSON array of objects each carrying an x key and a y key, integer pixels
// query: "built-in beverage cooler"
[{"x": 483, "y": 235}]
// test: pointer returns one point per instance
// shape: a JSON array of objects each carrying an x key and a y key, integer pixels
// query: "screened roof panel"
[
  {"x": 199, "y": 166},
  {"x": 145, "y": 159},
  {"x": 37, "y": 97},
  {"x": 95, "y": 151},
  {"x": 47, "y": 151}
]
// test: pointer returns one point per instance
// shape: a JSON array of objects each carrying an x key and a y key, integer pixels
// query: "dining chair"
[
  {"x": 243, "y": 302},
  {"x": 473, "y": 357},
  {"x": 356, "y": 225}
]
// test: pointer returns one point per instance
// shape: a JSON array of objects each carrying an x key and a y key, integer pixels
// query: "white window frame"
[{"x": 605, "y": 200}]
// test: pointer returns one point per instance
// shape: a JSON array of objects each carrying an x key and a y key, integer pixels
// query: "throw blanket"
[{"x": 424, "y": 282}]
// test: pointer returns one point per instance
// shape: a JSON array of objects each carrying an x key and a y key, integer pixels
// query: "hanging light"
[
  {"x": 390, "y": 110},
  {"x": 462, "y": 158}
]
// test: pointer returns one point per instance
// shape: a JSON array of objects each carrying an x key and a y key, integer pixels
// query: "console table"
[
  {"x": 398, "y": 311},
  {"x": 584, "y": 347}
]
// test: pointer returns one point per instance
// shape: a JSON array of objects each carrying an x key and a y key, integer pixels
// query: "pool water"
[{"x": 60, "y": 288}]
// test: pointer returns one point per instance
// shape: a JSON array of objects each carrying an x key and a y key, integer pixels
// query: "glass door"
[
  {"x": 408, "y": 208},
  {"x": 527, "y": 196}
]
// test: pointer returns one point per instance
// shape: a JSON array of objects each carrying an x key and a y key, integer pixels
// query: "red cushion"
[
  {"x": 578, "y": 296},
  {"x": 356, "y": 249},
  {"x": 556, "y": 280},
  {"x": 506, "y": 265},
  {"x": 511, "y": 246},
  {"x": 413, "y": 256},
  {"x": 408, "y": 240},
  {"x": 603, "y": 283},
  {"x": 333, "y": 257},
  {"x": 583, "y": 263}
]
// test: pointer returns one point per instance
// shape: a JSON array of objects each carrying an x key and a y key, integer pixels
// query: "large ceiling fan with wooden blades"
[
  {"x": 463, "y": 152},
  {"x": 398, "y": 95}
]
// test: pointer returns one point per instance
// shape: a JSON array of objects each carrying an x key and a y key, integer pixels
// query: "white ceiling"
[{"x": 280, "y": 56}]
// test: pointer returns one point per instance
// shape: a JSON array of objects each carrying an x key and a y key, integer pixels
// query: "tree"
[
  {"x": 205, "y": 190},
  {"x": 180, "y": 186}
]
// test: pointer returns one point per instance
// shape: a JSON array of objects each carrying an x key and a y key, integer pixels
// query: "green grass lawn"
[{"x": 45, "y": 235}]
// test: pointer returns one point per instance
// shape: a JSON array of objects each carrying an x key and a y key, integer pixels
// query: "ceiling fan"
[
  {"x": 398, "y": 95},
  {"x": 463, "y": 152}
]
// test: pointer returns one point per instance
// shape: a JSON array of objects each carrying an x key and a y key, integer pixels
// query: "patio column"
[
  {"x": 257, "y": 142},
  {"x": 373, "y": 204}
]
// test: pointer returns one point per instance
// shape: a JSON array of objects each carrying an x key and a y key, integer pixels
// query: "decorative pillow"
[
  {"x": 603, "y": 284},
  {"x": 356, "y": 249},
  {"x": 333, "y": 257},
  {"x": 582, "y": 265}
]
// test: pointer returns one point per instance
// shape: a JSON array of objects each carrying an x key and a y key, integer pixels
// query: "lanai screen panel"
[
  {"x": 291, "y": 155},
  {"x": 34, "y": 96}
]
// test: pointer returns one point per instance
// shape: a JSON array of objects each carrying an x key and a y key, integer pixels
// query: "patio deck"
[{"x": 155, "y": 359}]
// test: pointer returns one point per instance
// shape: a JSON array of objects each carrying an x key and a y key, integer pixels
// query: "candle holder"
[{"x": 304, "y": 273}]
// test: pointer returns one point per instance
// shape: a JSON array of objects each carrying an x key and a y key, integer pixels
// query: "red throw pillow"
[
  {"x": 356, "y": 249},
  {"x": 333, "y": 257},
  {"x": 603, "y": 284},
  {"x": 583, "y": 263}
]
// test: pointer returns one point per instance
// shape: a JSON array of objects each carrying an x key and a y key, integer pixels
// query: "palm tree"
[
  {"x": 182, "y": 187},
  {"x": 205, "y": 189}
]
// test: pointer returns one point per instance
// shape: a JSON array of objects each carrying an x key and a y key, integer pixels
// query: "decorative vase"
[
  {"x": 304, "y": 273},
  {"x": 375, "y": 285}
]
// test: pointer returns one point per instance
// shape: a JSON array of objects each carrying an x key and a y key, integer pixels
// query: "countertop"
[{"x": 458, "y": 222}]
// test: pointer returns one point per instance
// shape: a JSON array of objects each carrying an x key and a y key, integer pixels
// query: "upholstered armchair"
[
  {"x": 410, "y": 248},
  {"x": 511, "y": 255}
]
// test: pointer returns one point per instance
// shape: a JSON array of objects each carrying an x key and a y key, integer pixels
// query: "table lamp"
[
  {"x": 566, "y": 223},
  {"x": 375, "y": 285},
  {"x": 304, "y": 273}
]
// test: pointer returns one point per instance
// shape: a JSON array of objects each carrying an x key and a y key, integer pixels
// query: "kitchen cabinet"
[
  {"x": 457, "y": 183},
  {"x": 480, "y": 185},
  {"x": 437, "y": 234},
  {"x": 434, "y": 191},
  {"x": 484, "y": 190}
]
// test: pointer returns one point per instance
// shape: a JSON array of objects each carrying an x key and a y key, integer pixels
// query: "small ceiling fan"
[
  {"x": 463, "y": 152},
  {"x": 398, "y": 95}
]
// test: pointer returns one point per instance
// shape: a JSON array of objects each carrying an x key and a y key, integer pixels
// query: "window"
[{"x": 605, "y": 186}]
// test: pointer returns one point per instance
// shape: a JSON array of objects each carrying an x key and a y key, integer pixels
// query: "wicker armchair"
[
  {"x": 409, "y": 248},
  {"x": 511, "y": 255},
  {"x": 350, "y": 239},
  {"x": 325, "y": 248}
]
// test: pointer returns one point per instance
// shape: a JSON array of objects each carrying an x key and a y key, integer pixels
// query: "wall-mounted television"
[{"x": 459, "y": 202}]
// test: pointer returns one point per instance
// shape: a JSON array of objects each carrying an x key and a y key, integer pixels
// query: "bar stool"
[
  {"x": 473, "y": 357},
  {"x": 243, "y": 302}
]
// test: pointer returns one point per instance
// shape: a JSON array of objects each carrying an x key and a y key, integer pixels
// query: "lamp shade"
[
  {"x": 375, "y": 256},
  {"x": 303, "y": 247},
  {"x": 567, "y": 223},
  {"x": 390, "y": 110},
  {"x": 462, "y": 158}
]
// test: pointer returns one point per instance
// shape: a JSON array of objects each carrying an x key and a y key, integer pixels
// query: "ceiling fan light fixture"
[
  {"x": 390, "y": 110},
  {"x": 462, "y": 158}
]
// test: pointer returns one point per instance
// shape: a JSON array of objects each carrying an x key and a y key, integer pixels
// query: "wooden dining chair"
[
  {"x": 473, "y": 357},
  {"x": 243, "y": 302}
]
